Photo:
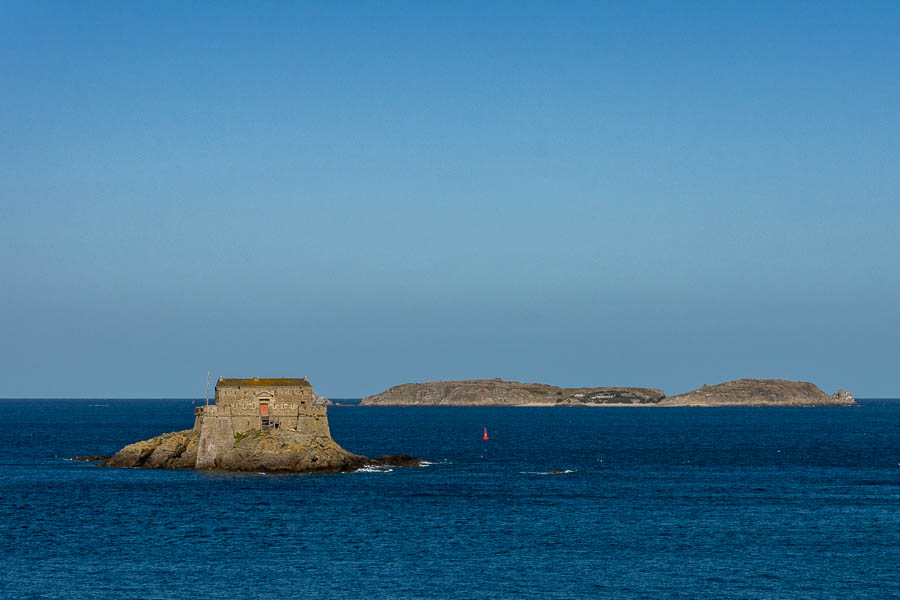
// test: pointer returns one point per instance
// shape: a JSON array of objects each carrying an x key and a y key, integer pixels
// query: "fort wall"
[{"x": 244, "y": 405}]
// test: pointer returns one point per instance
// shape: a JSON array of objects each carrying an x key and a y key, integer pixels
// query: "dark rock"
[{"x": 397, "y": 460}]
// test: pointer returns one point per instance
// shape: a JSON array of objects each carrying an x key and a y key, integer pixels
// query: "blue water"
[{"x": 662, "y": 503}]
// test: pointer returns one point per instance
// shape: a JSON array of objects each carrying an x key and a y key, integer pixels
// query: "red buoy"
[{"x": 485, "y": 434}]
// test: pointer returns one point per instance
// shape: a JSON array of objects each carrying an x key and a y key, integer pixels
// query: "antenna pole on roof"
[{"x": 207, "y": 388}]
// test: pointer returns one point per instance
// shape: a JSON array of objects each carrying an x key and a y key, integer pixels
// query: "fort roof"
[{"x": 263, "y": 382}]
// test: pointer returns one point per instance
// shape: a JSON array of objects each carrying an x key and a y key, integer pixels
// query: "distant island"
[
  {"x": 496, "y": 392},
  {"x": 761, "y": 392}
]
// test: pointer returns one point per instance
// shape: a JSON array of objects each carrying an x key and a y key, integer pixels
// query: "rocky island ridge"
[
  {"x": 497, "y": 392},
  {"x": 760, "y": 392}
]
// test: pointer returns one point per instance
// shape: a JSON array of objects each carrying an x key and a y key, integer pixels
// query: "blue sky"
[{"x": 656, "y": 194}]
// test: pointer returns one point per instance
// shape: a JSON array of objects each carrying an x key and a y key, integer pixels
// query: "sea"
[{"x": 686, "y": 503}]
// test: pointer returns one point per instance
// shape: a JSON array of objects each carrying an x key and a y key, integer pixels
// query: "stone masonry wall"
[
  {"x": 291, "y": 406},
  {"x": 237, "y": 410},
  {"x": 216, "y": 436}
]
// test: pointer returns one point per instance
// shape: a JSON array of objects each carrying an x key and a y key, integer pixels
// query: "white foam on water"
[
  {"x": 373, "y": 469},
  {"x": 564, "y": 472}
]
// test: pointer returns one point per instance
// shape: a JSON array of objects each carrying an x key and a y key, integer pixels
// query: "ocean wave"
[
  {"x": 555, "y": 472},
  {"x": 428, "y": 463},
  {"x": 373, "y": 469}
]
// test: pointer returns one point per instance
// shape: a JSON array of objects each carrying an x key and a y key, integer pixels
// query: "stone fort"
[{"x": 257, "y": 404}]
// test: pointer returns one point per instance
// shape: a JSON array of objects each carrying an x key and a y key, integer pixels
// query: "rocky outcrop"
[
  {"x": 270, "y": 451},
  {"x": 496, "y": 392},
  {"x": 321, "y": 400},
  {"x": 176, "y": 450},
  {"x": 843, "y": 398},
  {"x": 760, "y": 392},
  {"x": 276, "y": 451}
]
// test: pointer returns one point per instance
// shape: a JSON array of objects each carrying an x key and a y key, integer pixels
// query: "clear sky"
[{"x": 657, "y": 194}]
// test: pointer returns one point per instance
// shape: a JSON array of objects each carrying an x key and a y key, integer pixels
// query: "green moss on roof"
[{"x": 263, "y": 382}]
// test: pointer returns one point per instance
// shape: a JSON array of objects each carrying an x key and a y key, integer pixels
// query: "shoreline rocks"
[{"x": 269, "y": 451}]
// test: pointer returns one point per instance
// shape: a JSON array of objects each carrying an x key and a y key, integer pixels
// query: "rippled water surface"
[{"x": 660, "y": 503}]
